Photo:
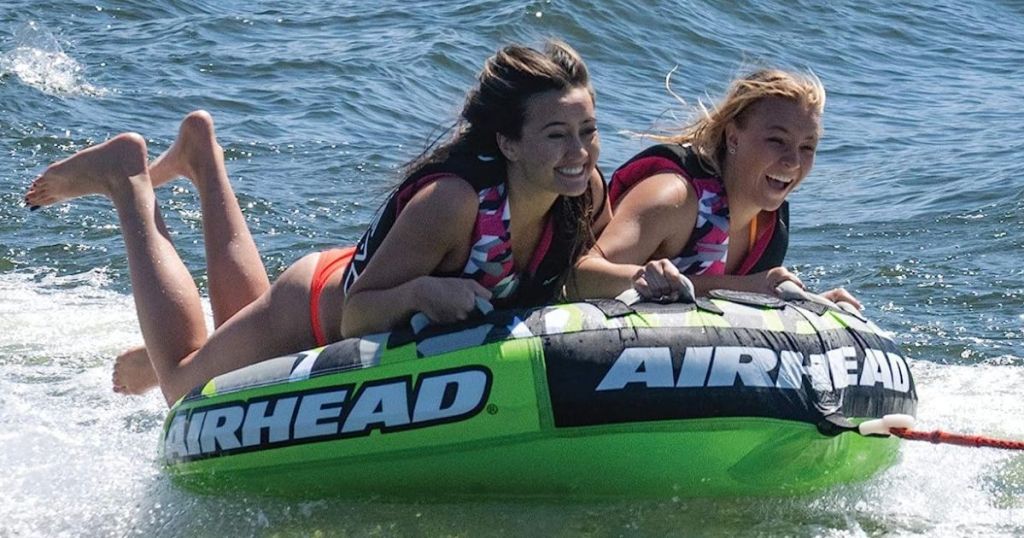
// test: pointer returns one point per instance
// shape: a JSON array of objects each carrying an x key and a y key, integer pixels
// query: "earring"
[{"x": 732, "y": 150}]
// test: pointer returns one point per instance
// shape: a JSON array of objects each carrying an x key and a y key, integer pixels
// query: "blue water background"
[{"x": 915, "y": 205}]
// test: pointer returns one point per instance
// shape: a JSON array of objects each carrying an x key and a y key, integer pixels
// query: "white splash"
[
  {"x": 64, "y": 435},
  {"x": 39, "y": 61}
]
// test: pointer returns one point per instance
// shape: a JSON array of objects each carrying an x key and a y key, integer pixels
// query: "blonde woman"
[{"x": 710, "y": 203}]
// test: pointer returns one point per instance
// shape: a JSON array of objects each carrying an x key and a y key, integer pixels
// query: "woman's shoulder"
[
  {"x": 452, "y": 188},
  {"x": 446, "y": 199},
  {"x": 661, "y": 199}
]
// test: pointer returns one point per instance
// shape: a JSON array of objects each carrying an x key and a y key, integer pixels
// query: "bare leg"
[
  {"x": 166, "y": 299},
  {"x": 275, "y": 324},
  {"x": 235, "y": 271},
  {"x": 234, "y": 268}
]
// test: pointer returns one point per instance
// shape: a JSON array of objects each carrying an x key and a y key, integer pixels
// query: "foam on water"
[{"x": 39, "y": 61}]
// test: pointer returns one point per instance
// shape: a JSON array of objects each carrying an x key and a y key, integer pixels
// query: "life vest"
[
  {"x": 490, "y": 261},
  {"x": 706, "y": 250}
]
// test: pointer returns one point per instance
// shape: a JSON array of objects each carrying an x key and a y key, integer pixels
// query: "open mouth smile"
[
  {"x": 779, "y": 182},
  {"x": 570, "y": 170}
]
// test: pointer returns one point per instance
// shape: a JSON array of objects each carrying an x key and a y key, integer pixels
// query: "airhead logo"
[
  {"x": 725, "y": 366},
  {"x": 387, "y": 405}
]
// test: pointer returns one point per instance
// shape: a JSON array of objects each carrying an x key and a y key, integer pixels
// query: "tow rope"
[{"x": 899, "y": 425}]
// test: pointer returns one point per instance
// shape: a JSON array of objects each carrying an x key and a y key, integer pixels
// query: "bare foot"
[
  {"x": 192, "y": 152},
  {"x": 95, "y": 170},
  {"x": 133, "y": 372}
]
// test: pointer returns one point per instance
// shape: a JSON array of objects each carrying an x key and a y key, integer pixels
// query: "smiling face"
[
  {"x": 770, "y": 151},
  {"x": 558, "y": 147}
]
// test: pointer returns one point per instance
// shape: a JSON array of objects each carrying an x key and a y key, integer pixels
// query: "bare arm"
[
  {"x": 431, "y": 234},
  {"x": 655, "y": 217},
  {"x": 653, "y": 222}
]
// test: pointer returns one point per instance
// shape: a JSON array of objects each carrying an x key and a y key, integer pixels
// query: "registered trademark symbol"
[{"x": 492, "y": 409}]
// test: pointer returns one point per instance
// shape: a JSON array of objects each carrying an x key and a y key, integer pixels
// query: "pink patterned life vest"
[
  {"x": 490, "y": 259},
  {"x": 706, "y": 251}
]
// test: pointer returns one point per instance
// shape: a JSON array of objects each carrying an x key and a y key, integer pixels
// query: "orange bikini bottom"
[{"x": 330, "y": 261}]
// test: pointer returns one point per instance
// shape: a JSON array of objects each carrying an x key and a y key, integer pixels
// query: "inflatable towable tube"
[{"x": 740, "y": 394}]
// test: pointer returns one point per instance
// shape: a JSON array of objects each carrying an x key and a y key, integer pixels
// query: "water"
[{"x": 915, "y": 205}]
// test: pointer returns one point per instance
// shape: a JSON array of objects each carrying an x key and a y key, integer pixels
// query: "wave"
[{"x": 39, "y": 61}]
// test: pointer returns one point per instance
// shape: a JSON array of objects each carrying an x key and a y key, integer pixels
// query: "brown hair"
[
  {"x": 707, "y": 133},
  {"x": 497, "y": 105}
]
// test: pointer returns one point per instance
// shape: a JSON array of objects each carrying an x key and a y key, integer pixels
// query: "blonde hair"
[{"x": 707, "y": 133}]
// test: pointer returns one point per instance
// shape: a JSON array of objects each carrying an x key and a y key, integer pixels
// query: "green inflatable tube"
[{"x": 740, "y": 395}]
